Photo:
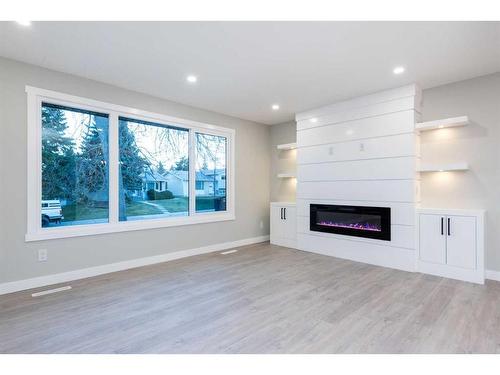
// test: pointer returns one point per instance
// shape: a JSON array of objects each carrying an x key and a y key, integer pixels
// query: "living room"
[{"x": 249, "y": 187}]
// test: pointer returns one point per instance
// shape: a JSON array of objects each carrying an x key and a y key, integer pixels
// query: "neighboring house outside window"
[{"x": 218, "y": 177}]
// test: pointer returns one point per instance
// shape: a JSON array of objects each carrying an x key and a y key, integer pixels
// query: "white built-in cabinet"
[
  {"x": 451, "y": 243},
  {"x": 284, "y": 224}
]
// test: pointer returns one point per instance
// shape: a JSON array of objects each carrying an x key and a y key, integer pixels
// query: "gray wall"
[
  {"x": 283, "y": 189},
  {"x": 478, "y": 144},
  {"x": 18, "y": 259}
]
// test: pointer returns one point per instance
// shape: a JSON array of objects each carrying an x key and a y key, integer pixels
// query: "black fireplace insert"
[{"x": 358, "y": 221}]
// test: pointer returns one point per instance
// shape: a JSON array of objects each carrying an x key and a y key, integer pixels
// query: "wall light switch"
[{"x": 42, "y": 255}]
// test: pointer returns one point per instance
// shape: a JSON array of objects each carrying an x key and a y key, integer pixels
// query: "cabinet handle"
[
  {"x": 281, "y": 210},
  {"x": 449, "y": 227},
  {"x": 442, "y": 226},
  {"x": 284, "y": 213}
]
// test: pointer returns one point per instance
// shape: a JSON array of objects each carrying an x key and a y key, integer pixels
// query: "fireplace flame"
[{"x": 358, "y": 226}]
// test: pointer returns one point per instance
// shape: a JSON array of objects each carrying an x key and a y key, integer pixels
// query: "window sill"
[{"x": 127, "y": 226}]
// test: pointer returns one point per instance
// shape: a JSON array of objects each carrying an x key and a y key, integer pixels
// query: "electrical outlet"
[
  {"x": 361, "y": 147},
  {"x": 330, "y": 150},
  {"x": 261, "y": 224},
  {"x": 42, "y": 255}
]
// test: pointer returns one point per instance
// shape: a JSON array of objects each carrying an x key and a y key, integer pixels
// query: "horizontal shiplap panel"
[
  {"x": 391, "y": 124},
  {"x": 397, "y": 105},
  {"x": 378, "y": 254},
  {"x": 384, "y": 147},
  {"x": 401, "y": 213},
  {"x": 372, "y": 169},
  {"x": 363, "y": 101},
  {"x": 381, "y": 190},
  {"x": 401, "y": 235}
]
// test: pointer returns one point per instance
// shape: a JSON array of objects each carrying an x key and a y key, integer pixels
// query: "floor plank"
[{"x": 261, "y": 299}]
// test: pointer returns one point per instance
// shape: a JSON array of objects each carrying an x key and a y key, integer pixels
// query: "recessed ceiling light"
[
  {"x": 24, "y": 23},
  {"x": 399, "y": 70},
  {"x": 440, "y": 126},
  {"x": 191, "y": 79},
  {"x": 314, "y": 119},
  {"x": 275, "y": 107}
]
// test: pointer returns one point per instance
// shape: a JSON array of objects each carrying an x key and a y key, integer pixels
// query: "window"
[
  {"x": 75, "y": 162},
  {"x": 152, "y": 154},
  {"x": 210, "y": 173},
  {"x": 96, "y": 167}
]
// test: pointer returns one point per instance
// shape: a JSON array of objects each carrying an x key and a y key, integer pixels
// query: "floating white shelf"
[
  {"x": 443, "y": 123},
  {"x": 286, "y": 175},
  {"x": 287, "y": 146},
  {"x": 443, "y": 167}
]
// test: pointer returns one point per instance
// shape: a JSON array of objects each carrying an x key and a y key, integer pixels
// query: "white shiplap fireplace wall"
[{"x": 361, "y": 152}]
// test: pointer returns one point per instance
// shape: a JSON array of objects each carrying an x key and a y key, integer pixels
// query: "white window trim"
[{"x": 35, "y": 232}]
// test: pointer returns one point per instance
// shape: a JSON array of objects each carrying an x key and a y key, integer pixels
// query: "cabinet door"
[
  {"x": 461, "y": 242},
  {"x": 290, "y": 223},
  {"x": 432, "y": 238},
  {"x": 277, "y": 222}
]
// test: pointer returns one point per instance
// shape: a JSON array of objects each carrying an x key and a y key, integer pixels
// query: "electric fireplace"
[{"x": 358, "y": 221}]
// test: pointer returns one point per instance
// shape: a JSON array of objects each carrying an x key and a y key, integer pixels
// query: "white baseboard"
[
  {"x": 493, "y": 275},
  {"x": 443, "y": 270},
  {"x": 36, "y": 282}
]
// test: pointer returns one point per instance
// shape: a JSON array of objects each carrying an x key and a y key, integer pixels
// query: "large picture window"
[{"x": 96, "y": 167}]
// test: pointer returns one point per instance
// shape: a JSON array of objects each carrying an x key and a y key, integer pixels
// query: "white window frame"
[{"x": 35, "y": 232}]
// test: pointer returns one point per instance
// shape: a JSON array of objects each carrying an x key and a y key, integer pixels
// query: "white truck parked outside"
[{"x": 51, "y": 212}]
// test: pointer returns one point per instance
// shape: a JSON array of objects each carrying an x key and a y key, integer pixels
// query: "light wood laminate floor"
[{"x": 262, "y": 299}]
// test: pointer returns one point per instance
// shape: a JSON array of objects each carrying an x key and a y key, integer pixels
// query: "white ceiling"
[{"x": 244, "y": 67}]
